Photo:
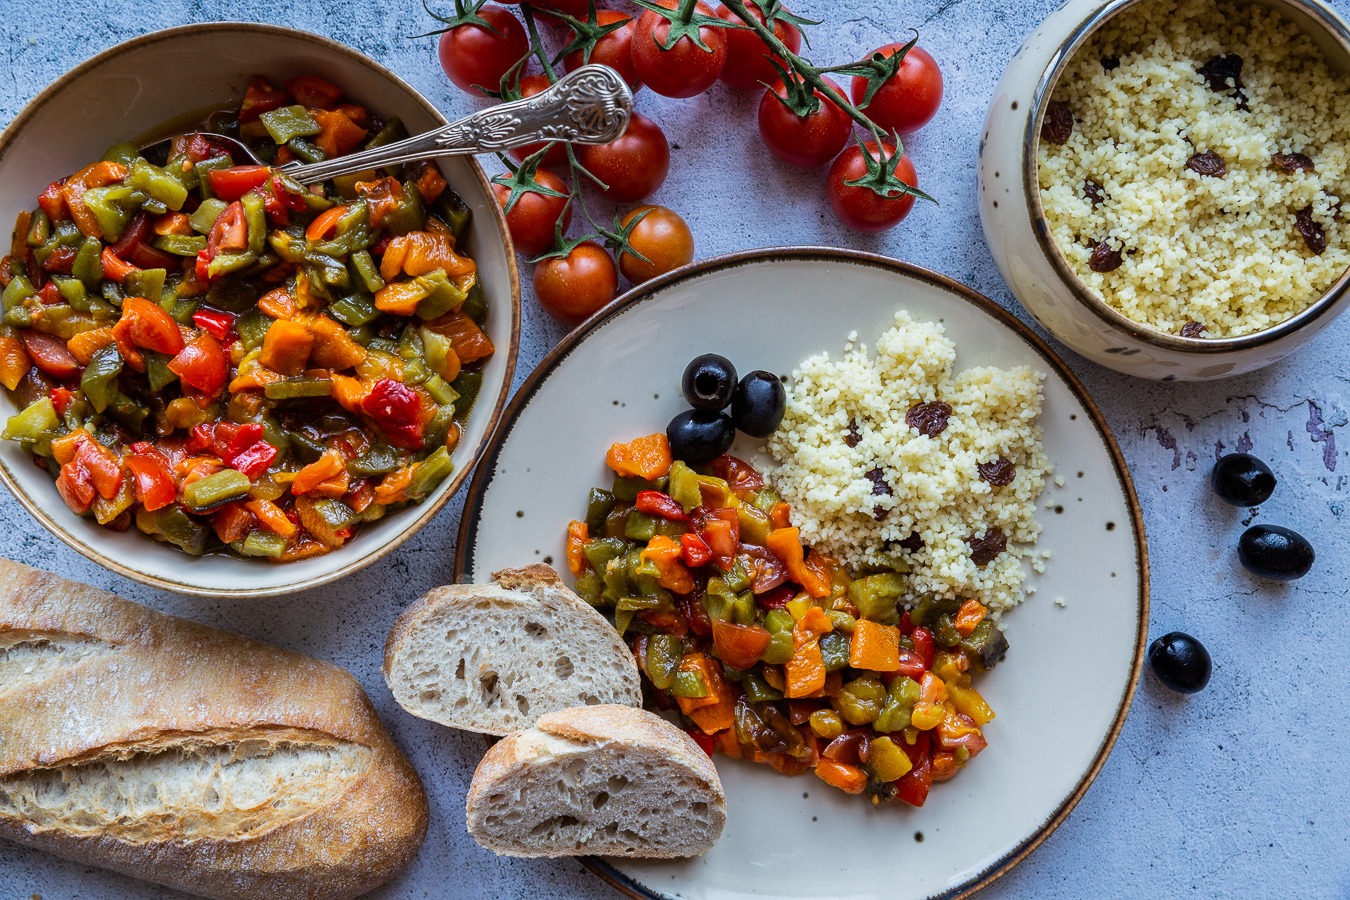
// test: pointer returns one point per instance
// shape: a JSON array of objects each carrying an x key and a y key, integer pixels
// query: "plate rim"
[{"x": 487, "y": 463}]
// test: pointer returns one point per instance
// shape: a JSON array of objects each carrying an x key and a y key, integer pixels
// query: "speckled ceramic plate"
[{"x": 1062, "y": 693}]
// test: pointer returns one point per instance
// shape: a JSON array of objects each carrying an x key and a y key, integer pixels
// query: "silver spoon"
[{"x": 591, "y": 105}]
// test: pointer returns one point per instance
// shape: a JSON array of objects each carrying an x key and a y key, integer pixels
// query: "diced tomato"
[
  {"x": 155, "y": 488},
  {"x": 115, "y": 268},
  {"x": 906, "y": 624},
  {"x": 925, "y": 645},
  {"x": 913, "y": 786},
  {"x": 229, "y": 233},
  {"x": 260, "y": 97},
  {"x": 739, "y": 646},
  {"x": 232, "y": 183},
  {"x": 60, "y": 261},
  {"x": 50, "y": 295},
  {"x": 146, "y": 324},
  {"x": 76, "y": 488},
  {"x": 766, "y": 570},
  {"x": 776, "y": 598},
  {"x": 737, "y": 473},
  {"x": 655, "y": 503},
  {"x": 695, "y": 550},
  {"x": 136, "y": 232},
  {"x": 704, "y": 741},
  {"x": 313, "y": 91},
  {"x": 911, "y": 664},
  {"x": 49, "y": 354},
  {"x": 202, "y": 364},
  {"x": 214, "y": 322},
  {"x": 61, "y": 397},
  {"x": 397, "y": 411},
  {"x": 691, "y": 609},
  {"x": 232, "y": 522}
]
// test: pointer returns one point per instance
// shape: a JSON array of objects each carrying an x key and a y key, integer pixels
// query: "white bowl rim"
[
  {"x": 473, "y": 498},
  {"x": 1327, "y": 303},
  {"x": 426, "y": 511}
]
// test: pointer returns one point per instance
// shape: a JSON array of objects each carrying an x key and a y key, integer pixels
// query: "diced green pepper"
[
  {"x": 180, "y": 244},
  {"x": 987, "y": 642},
  {"x": 689, "y": 684},
  {"x": 755, "y": 525},
  {"x": 640, "y": 527},
  {"x": 352, "y": 233},
  {"x": 765, "y": 499},
  {"x": 227, "y": 484},
  {"x": 39, "y": 229},
  {"x": 105, "y": 203},
  {"x": 157, "y": 370},
  {"x": 409, "y": 215},
  {"x": 443, "y": 295},
  {"x": 834, "y": 650},
  {"x": 757, "y": 690},
  {"x": 252, "y": 328},
  {"x": 626, "y": 488},
  {"x": 125, "y": 153},
  {"x": 38, "y": 420},
  {"x": 367, "y": 270},
  {"x": 99, "y": 381},
  {"x": 379, "y": 460},
  {"x": 174, "y": 526},
  {"x": 147, "y": 283},
  {"x": 876, "y": 596},
  {"x": 467, "y": 385},
  {"x": 255, "y": 217},
  {"x": 263, "y": 543},
  {"x": 453, "y": 211},
  {"x": 662, "y": 662},
  {"x": 475, "y": 303},
  {"x": 158, "y": 184},
  {"x": 441, "y": 391},
  {"x": 354, "y": 310},
  {"x": 206, "y": 215},
  {"x": 105, "y": 511},
  {"x": 684, "y": 486},
  {"x": 599, "y": 553},
  {"x": 297, "y": 387},
  {"x": 289, "y": 122},
  {"x": 861, "y": 700},
  {"x": 306, "y": 151},
  {"x": 73, "y": 292},
  {"x": 598, "y": 506},
  {"x": 433, "y": 470}
]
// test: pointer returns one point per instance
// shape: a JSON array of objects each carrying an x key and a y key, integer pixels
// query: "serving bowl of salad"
[{"x": 218, "y": 381}]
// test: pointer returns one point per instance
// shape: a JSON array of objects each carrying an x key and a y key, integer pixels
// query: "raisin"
[
  {"x": 878, "y": 479},
  {"x": 1093, "y": 191},
  {"x": 1058, "y": 123},
  {"x": 1293, "y": 162},
  {"x": 880, "y": 514},
  {"x": 929, "y": 418},
  {"x": 1311, "y": 231},
  {"x": 998, "y": 473},
  {"x": 1110, "y": 63},
  {"x": 983, "y": 548},
  {"x": 1222, "y": 69},
  {"x": 1209, "y": 164},
  {"x": 1192, "y": 330},
  {"x": 854, "y": 437},
  {"x": 1104, "y": 258},
  {"x": 913, "y": 543}
]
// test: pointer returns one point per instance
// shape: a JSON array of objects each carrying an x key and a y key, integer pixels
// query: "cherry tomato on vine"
[
  {"x": 634, "y": 165},
  {"x": 572, "y": 287},
  {"x": 661, "y": 236},
  {"x": 862, "y": 208},
  {"x": 534, "y": 218},
  {"x": 614, "y": 49},
  {"x": 747, "y": 67},
  {"x": 803, "y": 141},
  {"x": 686, "y": 69},
  {"x": 557, "y": 154},
  {"x": 909, "y": 98},
  {"x": 473, "y": 55}
]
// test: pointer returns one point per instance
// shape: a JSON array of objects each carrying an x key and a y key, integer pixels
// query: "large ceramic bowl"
[
  {"x": 133, "y": 90},
  {"x": 1025, "y": 250}
]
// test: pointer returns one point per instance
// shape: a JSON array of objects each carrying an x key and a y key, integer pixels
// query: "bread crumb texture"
[
  {"x": 1227, "y": 251},
  {"x": 870, "y": 488}
]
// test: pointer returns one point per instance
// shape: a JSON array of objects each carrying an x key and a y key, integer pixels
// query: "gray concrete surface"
[{"x": 1237, "y": 792}]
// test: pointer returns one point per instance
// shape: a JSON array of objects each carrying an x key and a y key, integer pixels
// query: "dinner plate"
[{"x": 1076, "y": 643}]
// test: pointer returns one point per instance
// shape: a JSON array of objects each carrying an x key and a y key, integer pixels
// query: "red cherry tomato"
[
  {"x": 803, "y": 141},
  {"x": 614, "y": 49},
  {"x": 534, "y": 218},
  {"x": 748, "y": 66},
  {"x": 661, "y": 236},
  {"x": 909, "y": 98},
  {"x": 862, "y": 208},
  {"x": 556, "y": 158},
  {"x": 572, "y": 287},
  {"x": 686, "y": 69},
  {"x": 634, "y": 165},
  {"x": 474, "y": 57}
]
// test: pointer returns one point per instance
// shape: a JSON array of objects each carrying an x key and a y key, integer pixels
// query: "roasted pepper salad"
[
  {"x": 769, "y": 650},
  {"x": 223, "y": 358}
]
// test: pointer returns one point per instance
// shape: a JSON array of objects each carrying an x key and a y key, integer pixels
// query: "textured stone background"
[{"x": 1238, "y": 791}]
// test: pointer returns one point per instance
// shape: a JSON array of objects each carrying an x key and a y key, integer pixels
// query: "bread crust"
[
  {"x": 588, "y": 727},
  {"x": 154, "y": 682},
  {"x": 532, "y": 583}
]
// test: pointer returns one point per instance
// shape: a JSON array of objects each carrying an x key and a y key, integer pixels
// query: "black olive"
[
  {"x": 1180, "y": 662},
  {"x": 759, "y": 403},
  {"x": 1274, "y": 552},
  {"x": 699, "y": 435},
  {"x": 709, "y": 381},
  {"x": 1242, "y": 480}
]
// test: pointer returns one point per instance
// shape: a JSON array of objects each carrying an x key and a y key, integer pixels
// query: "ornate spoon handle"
[{"x": 589, "y": 106}]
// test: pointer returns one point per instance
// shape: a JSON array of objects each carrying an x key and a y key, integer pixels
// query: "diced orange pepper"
[
  {"x": 64, "y": 447},
  {"x": 394, "y": 487},
  {"x": 419, "y": 252},
  {"x": 945, "y": 766},
  {"x": 717, "y": 711},
  {"x": 271, "y": 517},
  {"x": 340, "y": 134},
  {"x": 232, "y": 522},
  {"x": 83, "y": 345},
  {"x": 114, "y": 268},
  {"x": 333, "y": 346},
  {"x": 330, "y": 465},
  {"x": 400, "y": 297},
  {"x": 786, "y": 544},
  {"x": 334, "y": 487},
  {"x": 14, "y": 361},
  {"x": 875, "y": 647},
  {"x": 970, "y": 702},
  {"x": 849, "y": 779},
  {"x": 325, "y": 222},
  {"x": 430, "y": 184},
  {"x": 305, "y": 298},
  {"x": 277, "y": 303},
  {"x": 805, "y": 671},
  {"x": 383, "y": 196},
  {"x": 577, "y": 536},
  {"x": 357, "y": 113},
  {"x": 781, "y": 515},
  {"x": 665, "y": 552},
  {"x": 286, "y": 347},
  {"x": 100, "y": 174},
  {"x": 645, "y": 457},
  {"x": 172, "y": 223},
  {"x": 971, "y": 613},
  {"x": 349, "y": 393},
  {"x": 255, "y": 379},
  {"x": 467, "y": 340}
]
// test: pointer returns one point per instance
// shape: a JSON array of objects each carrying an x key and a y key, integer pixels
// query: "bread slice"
[
  {"x": 601, "y": 780},
  {"x": 495, "y": 657}
]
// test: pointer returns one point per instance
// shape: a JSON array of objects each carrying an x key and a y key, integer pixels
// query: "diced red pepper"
[
  {"x": 704, "y": 741},
  {"x": 104, "y": 467},
  {"x": 232, "y": 183},
  {"x": 214, "y": 322},
  {"x": 255, "y": 460},
  {"x": 260, "y": 97},
  {"x": 292, "y": 200},
  {"x": 913, "y": 786},
  {"x": 655, "y": 503},
  {"x": 313, "y": 91},
  {"x": 199, "y": 438},
  {"x": 60, "y": 262},
  {"x": 50, "y": 295},
  {"x": 695, "y": 550},
  {"x": 238, "y": 439},
  {"x": 155, "y": 487},
  {"x": 76, "y": 487},
  {"x": 61, "y": 398},
  {"x": 397, "y": 411},
  {"x": 925, "y": 645},
  {"x": 53, "y": 202},
  {"x": 906, "y": 624}
]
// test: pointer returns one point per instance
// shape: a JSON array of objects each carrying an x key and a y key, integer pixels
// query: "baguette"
[
  {"x": 187, "y": 756},
  {"x": 493, "y": 658},
  {"x": 602, "y": 780}
]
